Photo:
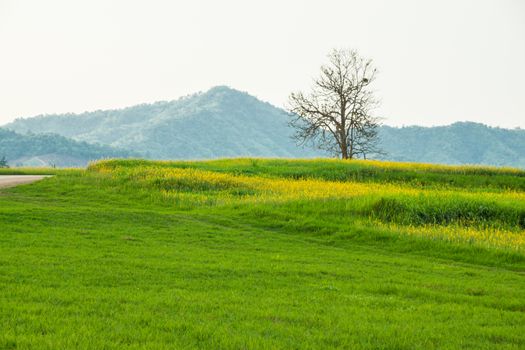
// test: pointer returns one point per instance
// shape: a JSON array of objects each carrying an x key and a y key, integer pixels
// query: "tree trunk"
[
  {"x": 344, "y": 153},
  {"x": 343, "y": 144}
]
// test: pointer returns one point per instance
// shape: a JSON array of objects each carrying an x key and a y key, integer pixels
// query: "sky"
[{"x": 439, "y": 61}]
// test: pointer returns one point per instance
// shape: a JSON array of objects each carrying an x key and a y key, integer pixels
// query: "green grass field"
[{"x": 263, "y": 254}]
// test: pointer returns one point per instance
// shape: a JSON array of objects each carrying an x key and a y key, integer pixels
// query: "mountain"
[
  {"x": 224, "y": 122},
  {"x": 52, "y": 150},
  {"x": 221, "y": 122},
  {"x": 459, "y": 143}
]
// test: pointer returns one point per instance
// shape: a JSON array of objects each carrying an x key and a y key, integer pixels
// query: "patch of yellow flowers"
[
  {"x": 229, "y": 187},
  {"x": 486, "y": 237},
  {"x": 428, "y": 167}
]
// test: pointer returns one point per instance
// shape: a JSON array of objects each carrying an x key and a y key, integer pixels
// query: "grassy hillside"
[
  {"x": 253, "y": 253},
  {"x": 51, "y": 149}
]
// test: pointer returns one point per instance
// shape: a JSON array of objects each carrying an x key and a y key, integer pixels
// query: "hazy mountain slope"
[
  {"x": 219, "y": 123},
  {"x": 459, "y": 143},
  {"x": 224, "y": 122},
  {"x": 49, "y": 149}
]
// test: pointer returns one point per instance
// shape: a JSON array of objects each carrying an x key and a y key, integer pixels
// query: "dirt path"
[{"x": 14, "y": 180}]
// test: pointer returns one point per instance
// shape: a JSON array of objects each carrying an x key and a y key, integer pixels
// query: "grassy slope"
[{"x": 85, "y": 262}]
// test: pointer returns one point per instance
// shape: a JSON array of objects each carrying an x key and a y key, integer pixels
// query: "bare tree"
[{"x": 337, "y": 114}]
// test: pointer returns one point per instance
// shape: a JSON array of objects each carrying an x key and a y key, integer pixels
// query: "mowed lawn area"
[{"x": 263, "y": 254}]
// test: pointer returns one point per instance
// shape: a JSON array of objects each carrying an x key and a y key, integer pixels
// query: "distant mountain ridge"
[
  {"x": 224, "y": 122},
  {"x": 221, "y": 122},
  {"x": 52, "y": 150},
  {"x": 458, "y": 143}
]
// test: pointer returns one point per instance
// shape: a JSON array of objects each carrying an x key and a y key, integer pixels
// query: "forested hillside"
[
  {"x": 459, "y": 143},
  {"x": 224, "y": 122},
  {"x": 50, "y": 149},
  {"x": 219, "y": 123}
]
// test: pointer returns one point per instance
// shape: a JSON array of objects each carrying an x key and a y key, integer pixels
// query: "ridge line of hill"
[{"x": 224, "y": 122}]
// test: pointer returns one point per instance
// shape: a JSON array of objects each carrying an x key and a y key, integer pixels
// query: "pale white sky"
[{"x": 440, "y": 61}]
